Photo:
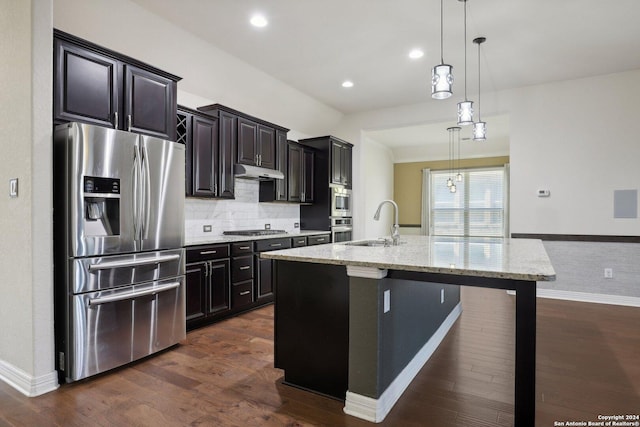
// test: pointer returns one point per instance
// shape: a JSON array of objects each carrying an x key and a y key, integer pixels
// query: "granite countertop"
[
  {"x": 219, "y": 238},
  {"x": 518, "y": 259}
]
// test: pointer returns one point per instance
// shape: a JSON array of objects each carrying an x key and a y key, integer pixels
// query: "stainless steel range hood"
[{"x": 256, "y": 172}]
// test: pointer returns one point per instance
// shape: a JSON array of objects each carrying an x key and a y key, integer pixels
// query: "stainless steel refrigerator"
[{"x": 118, "y": 247}]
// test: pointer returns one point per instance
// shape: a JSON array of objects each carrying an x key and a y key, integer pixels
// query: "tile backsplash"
[{"x": 242, "y": 213}]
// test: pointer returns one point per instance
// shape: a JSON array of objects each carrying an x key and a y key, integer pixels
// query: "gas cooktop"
[{"x": 253, "y": 232}]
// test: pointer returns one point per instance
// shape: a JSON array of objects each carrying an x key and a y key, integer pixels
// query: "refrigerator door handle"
[
  {"x": 134, "y": 263},
  {"x": 133, "y": 294},
  {"x": 135, "y": 201},
  {"x": 146, "y": 193}
]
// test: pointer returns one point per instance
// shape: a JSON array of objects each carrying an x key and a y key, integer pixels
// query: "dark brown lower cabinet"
[{"x": 208, "y": 284}]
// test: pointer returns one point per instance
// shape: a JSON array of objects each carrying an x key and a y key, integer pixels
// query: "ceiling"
[{"x": 315, "y": 45}]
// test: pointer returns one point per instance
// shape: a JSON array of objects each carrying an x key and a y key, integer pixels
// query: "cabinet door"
[
  {"x": 266, "y": 147},
  {"x": 265, "y": 278},
  {"x": 149, "y": 103},
  {"x": 336, "y": 163},
  {"x": 86, "y": 86},
  {"x": 219, "y": 287},
  {"x": 282, "y": 152},
  {"x": 247, "y": 140},
  {"x": 228, "y": 136},
  {"x": 295, "y": 172},
  {"x": 196, "y": 286},
  {"x": 204, "y": 157},
  {"x": 346, "y": 166},
  {"x": 308, "y": 158}
]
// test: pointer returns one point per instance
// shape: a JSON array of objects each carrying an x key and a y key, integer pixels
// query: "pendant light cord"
[
  {"x": 441, "y": 34},
  {"x": 465, "y": 50},
  {"x": 479, "y": 119}
]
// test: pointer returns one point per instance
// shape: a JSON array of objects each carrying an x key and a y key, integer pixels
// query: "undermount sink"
[{"x": 377, "y": 242}]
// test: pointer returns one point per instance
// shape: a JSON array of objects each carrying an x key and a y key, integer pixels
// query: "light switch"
[{"x": 13, "y": 187}]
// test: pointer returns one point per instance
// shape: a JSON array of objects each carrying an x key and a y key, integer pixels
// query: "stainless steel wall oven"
[
  {"x": 341, "y": 229},
  {"x": 340, "y": 201}
]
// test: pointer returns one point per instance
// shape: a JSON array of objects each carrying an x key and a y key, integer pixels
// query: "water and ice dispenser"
[{"x": 101, "y": 206}]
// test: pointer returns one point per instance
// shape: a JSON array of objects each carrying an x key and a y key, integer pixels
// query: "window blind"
[{"x": 476, "y": 209}]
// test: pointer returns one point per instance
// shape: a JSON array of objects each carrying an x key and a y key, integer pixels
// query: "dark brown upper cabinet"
[
  {"x": 255, "y": 139},
  {"x": 207, "y": 162},
  {"x": 300, "y": 173},
  {"x": 282, "y": 161},
  {"x": 96, "y": 85},
  {"x": 339, "y": 155}
]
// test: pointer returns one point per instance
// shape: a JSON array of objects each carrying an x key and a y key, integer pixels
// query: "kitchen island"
[{"x": 357, "y": 321}]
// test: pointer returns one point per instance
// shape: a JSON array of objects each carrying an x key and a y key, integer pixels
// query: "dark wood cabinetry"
[
  {"x": 300, "y": 173},
  {"x": 206, "y": 168},
  {"x": 282, "y": 164},
  {"x": 340, "y": 163},
  {"x": 254, "y": 139},
  {"x": 101, "y": 87},
  {"x": 264, "y": 267},
  {"x": 207, "y": 283}
]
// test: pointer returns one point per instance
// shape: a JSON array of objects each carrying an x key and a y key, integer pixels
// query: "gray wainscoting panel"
[{"x": 580, "y": 267}]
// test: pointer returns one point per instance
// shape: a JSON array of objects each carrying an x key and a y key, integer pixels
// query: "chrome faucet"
[{"x": 395, "y": 228}]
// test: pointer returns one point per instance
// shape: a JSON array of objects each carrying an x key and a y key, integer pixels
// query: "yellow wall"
[{"x": 407, "y": 183}]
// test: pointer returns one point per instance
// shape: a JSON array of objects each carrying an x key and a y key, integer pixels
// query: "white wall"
[
  {"x": 26, "y": 306},
  {"x": 579, "y": 140}
]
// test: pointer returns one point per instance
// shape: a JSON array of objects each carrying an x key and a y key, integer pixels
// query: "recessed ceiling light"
[
  {"x": 259, "y": 21},
  {"x": 416, "y": 53},
  {"x": 347, "y": 83}
]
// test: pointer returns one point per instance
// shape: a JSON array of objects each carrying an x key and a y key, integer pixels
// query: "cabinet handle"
[
  {"x": 275, "y": 245},
  {"x": 206, "y": 269},
  {"x": 245, "y": 267},
  {"x": 215, "y": 189},
  {"x": 244, "y": 293},
  {"x": 208, "y": 252},
  {"x": 244, "y": 248},
  {"x": 115, "y": 120},
  {"x": 129, "y": 122},
  {"x": 320, "y": 240}
]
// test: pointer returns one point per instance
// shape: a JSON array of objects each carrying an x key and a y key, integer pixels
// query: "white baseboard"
[
  {"x": 25, "y": 383},
  {"x": 588, "y": 297},
  {"x": 375, "y": 410}
]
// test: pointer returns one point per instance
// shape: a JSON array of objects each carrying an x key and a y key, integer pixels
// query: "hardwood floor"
[{"x": 223, "y": 375}]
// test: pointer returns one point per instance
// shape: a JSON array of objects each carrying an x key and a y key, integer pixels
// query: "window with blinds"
[{"x": 476, "y": 209}]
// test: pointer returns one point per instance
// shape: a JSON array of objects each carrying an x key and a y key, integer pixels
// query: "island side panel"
[
  {"x": 382, "y": 344},
  {"x": 312, "y": 326}
]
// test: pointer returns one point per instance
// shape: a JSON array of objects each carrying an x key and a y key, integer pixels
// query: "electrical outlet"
[
  {"x": 608, "y": 273},
  {"x": 13, "y": 187},
  {"x": 441, "y": 296},
  {"x": 206, "y": 228},
  {"x": 387, "y": 300},
  {"x": 296, "y": 225},
  {"x": 267, "y": 226}
]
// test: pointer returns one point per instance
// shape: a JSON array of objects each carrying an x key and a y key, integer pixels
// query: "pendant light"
[
  {"x": 465, "y": 108},
  {"x": 442, "y": 74},
  {"x": 452, "y": 140},
  {"x": 479, "y": 127}
]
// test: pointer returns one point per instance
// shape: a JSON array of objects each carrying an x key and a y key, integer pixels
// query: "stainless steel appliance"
[
  {"x": 340, "y": 201},
  {"x": 341, "y": 229},
  {"x": 119, "y": 257}
]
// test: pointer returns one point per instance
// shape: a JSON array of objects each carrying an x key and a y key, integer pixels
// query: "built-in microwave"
[{"x": 340, "y": 201}]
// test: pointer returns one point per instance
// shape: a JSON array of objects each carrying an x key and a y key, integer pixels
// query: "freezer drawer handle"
[
  {"x": 134, "y": 294},
  {"x": 143, "y": 261}
]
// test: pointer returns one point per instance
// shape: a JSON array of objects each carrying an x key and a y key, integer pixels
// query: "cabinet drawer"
[
  {"x": 241, "y": 268},
  {"x": 297, "y": 242},
  {"x": 241, "y": 248},
  {"x": 242, "y": 294},
  {"x": 205, "y": 253},
  {"x": 318, "y": 240},
  {"x": 273, "y": 244}
]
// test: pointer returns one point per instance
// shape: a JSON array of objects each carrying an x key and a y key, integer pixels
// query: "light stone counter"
[
  {"x": 516, "y": 259},
  {"x": 205, "y": 240}
]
